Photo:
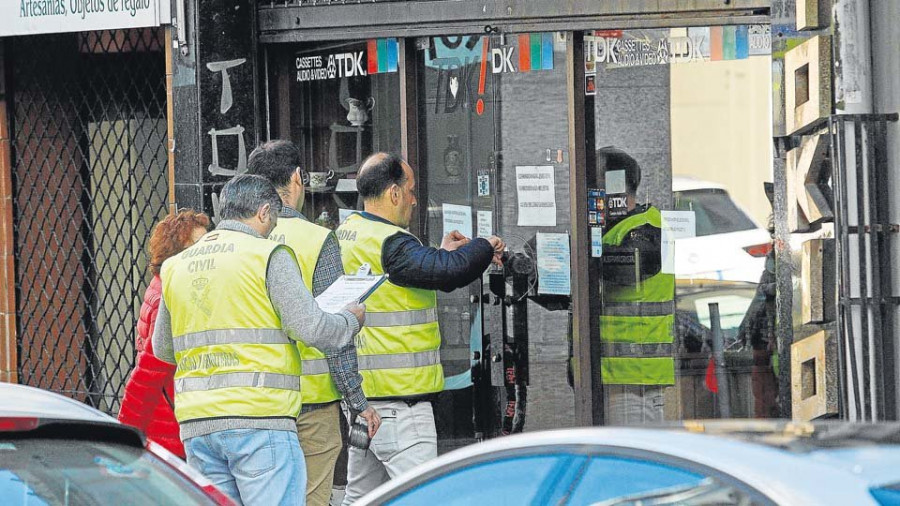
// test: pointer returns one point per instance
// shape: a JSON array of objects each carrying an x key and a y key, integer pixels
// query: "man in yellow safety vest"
[
  {"x": 326, "y": 379},
  {"x": 399, "y": 353},
  {"x": 233, "y": 307}
]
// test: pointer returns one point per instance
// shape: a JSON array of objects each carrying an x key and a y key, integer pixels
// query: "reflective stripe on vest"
[
  {"x": 387, "y": 361},
  {"x": 399, "y": 360},
  {"x": 636, "y": 324},
  {"x": 401, "y": 318},
  {"x": 229, "y": 336},
  {"x": 238, "y": 379},
  {"x": 660, "y": 350},
  {"x": 233, "y": 358},
  {"x": 664, "y": 308},
  {"x": 314, "y": 367},
  {"x": 399, "y": 345},
  {"x": 307, "y": 240}
]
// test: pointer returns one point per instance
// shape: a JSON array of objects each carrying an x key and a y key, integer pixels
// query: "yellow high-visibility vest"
[
  {"x": 399, "y": 348},
  {"x": 234, "y": 359},
  {"x": 307, "y": 239},
  {"x": 637, "y": 321}
]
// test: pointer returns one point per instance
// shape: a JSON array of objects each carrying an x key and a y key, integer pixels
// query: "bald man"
[{"x": 399, "y": 350}]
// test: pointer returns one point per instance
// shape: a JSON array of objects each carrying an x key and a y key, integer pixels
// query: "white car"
[
  {"x": 57, "y": 451},
  {"x": 739, "y": 463},
  {"x": 729, "y": 246}
]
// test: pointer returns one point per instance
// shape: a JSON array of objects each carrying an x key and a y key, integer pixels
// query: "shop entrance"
[
  {"x": 493, "y": 119},
  {"x": 492, "y": 159},
  {"x": 689, "y": 108}
]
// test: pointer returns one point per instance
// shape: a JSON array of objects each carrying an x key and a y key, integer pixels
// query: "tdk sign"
[{"x": 347, "y": 64}]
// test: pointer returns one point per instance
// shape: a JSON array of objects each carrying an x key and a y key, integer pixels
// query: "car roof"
[
  {"x": 798, "y": 437},
  {"x": 686, "y": 183},
  {"x": 789, "y": 462},
  {"x": 25, "y": 401}
]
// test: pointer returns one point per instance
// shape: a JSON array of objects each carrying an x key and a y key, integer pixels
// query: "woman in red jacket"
[{"x": 149, "y": 393}]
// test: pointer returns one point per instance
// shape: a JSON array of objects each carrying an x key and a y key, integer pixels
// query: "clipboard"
[
  {"x": 348, "y": 289},
  {"x": 370, "y": 291}
]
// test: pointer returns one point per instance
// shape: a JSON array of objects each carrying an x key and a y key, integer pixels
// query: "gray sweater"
[{"x": 300, "y": 316}]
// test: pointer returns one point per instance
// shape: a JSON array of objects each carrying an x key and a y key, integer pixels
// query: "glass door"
[
  {"x": 682, "y": 147},
  {"x": 495, "y": 162}
]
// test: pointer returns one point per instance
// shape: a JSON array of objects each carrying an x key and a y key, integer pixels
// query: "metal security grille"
[
  {"x": 88, "y": 121},
  {"x": 866, "y": 254}
]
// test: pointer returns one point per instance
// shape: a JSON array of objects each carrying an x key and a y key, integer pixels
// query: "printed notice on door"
[
  {"x": 553, "y": 264},
  {"x": 457, "y": 218},
  {"x": 675, "y": 225},
  {"x": 485, "y": 220},
  {"x": 537, "y": 197}
]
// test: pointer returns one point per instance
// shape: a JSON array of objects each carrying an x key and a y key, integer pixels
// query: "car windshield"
[
  {"x": 39, "y": 472},
  {"x": 716, "y": 213}
]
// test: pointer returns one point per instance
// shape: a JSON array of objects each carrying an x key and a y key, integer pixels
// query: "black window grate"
[{"x": 88, "y": 125}]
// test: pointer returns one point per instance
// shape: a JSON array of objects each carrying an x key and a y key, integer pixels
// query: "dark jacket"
[
  {"x": 150, "y": 391},
  {"x": 413, "y": 265}
]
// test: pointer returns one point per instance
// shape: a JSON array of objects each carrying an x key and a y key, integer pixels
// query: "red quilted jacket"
[{"x": 150, "y": 390}]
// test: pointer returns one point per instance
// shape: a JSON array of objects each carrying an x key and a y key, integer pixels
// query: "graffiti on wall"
[{"x": 226, "y": 101}]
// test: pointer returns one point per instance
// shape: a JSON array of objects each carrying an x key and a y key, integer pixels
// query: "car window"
[
  {"x": 503, "y": 482},
  {"x": 715, "y": 212},
  {"x": 887, "y": 496},
  {"x": 613, "y": 480},
  {"x": 48, "y": 472}
]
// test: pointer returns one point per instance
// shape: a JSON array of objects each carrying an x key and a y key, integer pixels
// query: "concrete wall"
[
  {"x": 721, "y": 127},
  {"x": 632, "y": 114}
]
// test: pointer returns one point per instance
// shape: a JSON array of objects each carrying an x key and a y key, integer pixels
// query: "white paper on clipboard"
[{"x": 347, "y": 289}]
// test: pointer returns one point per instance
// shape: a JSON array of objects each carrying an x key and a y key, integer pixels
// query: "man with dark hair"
[
  {"x": 636, "y": 323},
  {"x": 399, "y": 351},
  {"x": 326, "y": 377},
  {"x": 611, "y": 158},
  {"x": 232, "y": 309}
]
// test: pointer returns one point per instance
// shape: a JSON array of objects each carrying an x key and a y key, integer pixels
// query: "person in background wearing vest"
[
  {"x": 326, "y": 378},
  {"x": 233, "y": 307},
  {"x": 399, "y": 350},
  {"x": 637, "y": 362}
]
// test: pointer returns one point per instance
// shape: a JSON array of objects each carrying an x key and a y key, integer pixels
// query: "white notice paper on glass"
[
  {"x": 596, "y": 242},
  {"x": 485, "y": 223},
  {"x": 537, "y": 196},
  {"x": 346, "y": 290},
  {"x": 553, "y": 264},
  {"x": 615, "y": 182},
  {"x": 675, "y": 225},
  {"x": 457, "y": 218}
]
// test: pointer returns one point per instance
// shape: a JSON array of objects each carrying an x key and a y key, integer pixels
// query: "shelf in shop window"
[
  {"x": 324, "y": 189},
  {"x": 335, "y": 188}
]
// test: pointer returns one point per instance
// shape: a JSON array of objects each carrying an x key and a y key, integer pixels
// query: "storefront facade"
[{"x": 519, "y": 119}]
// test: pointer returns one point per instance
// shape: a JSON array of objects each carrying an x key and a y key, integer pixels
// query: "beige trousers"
[{"x": 320, "y": 437}]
